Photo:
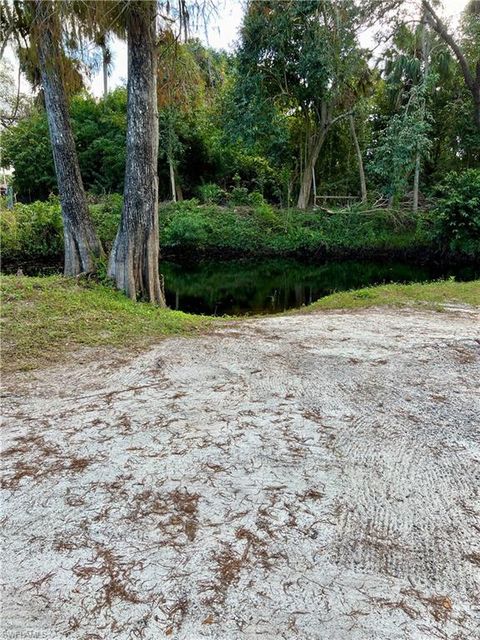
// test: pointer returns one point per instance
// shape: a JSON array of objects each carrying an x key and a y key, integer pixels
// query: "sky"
[{"x": 223, "y": 33}]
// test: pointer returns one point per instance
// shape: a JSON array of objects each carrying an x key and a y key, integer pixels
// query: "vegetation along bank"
[{"x": 245, "y": 224}]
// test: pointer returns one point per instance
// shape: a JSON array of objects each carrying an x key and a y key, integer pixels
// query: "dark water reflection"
[
  {"x": 238, "y": 287},
  {"x": 274, "y": 285}
]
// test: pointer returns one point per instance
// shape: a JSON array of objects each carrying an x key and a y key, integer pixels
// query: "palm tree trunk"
[
  {"x": 134, "y": 259},
  {"x": 82, "y": 247},
  {"x": 104, "y": 69},
  {"x": 358, "y": 151}
]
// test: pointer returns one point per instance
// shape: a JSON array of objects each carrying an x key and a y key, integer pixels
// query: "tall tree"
[
  {"x": 82, "y": 247},
  {"x": 134, "y": 259},
  {"x": 181, "y": 90},
  {"x": 304, "y": 54},
  {"x": 101, "y": 40}
]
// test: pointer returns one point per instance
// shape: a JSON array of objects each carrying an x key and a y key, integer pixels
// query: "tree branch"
[
  {"x": 438, "y": 26},
  {"x": 342, "y": 115}
]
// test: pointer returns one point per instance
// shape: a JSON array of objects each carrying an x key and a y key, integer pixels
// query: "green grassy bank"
[
  {"x": 33, "y": 233},
  {"x": 431, "y": 295},
  {"x": 43, "y": 319}
]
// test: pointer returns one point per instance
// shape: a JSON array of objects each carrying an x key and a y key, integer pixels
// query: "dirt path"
[{"x": 311, "y": 477}]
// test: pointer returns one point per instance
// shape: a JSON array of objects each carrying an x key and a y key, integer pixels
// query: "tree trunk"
[
  {"x": 416, "y": 183},
  {"x": 476, "y": 98},
  {"x": 358, "y": 151},
  {"x": 134, "y": 259},
  {"x": 104, "y": 69},
  {"x": 179, "y": 192},
  {"x": 172, "y": 180},
  {"x": 310, "y": 161},
  {"x": 312, "y": 153},
  {"x": 82, "y": 247},
  {"x": 418, "y": 159}
]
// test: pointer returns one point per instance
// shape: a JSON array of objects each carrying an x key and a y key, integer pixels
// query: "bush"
[
  {"x": 184, "y": 224},
  {"x": 106, "y": 217},
  {"x": 8, "y": 233},
  {"x": 239, "y": 197},
  {"x": 211, "y": 194},
  {"x": 458, "y": 211},
  {"x": 32, "y": 232}
]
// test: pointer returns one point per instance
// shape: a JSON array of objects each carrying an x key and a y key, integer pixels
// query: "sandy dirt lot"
[{"x": 311, "y": 477}]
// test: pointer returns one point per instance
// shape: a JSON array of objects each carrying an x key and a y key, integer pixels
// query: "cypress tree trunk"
[
  {"x": 134, "y": 260},
  {"x": 82, "y": 247}
]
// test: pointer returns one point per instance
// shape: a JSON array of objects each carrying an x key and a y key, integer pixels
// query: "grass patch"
[
  {"x": 44, "y": 318},
  {"x": 431, "y": 294}
]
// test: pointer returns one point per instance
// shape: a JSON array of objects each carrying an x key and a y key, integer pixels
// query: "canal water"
[{"x": 275, "y": 285}]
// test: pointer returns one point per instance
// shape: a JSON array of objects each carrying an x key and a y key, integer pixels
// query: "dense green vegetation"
[
  {"x": 245, "y": 224},
  {"x": 46, "y": 318},
  {"x": 248, "y": 141},
  {"x": 457, "y": 211},
  {"x": 33, "y": 233},
  {"x": 235, "y": 121}
]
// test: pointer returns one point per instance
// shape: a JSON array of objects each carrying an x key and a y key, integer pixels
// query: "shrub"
[
  {"x": 8, "y": 233},
  {"x": 106, "y": 217},
  {"x": 266, "y": 214},
  {"x": 211, "y": 194},
  {"x": 239, "y": 196},
  {"x": 32, "y": 232},
  {"x": 184, "y": 224},
  {"x": 458, "y": 211}
]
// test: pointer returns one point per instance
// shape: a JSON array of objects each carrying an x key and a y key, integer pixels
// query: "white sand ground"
[{"x": 311, "y": 477}]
